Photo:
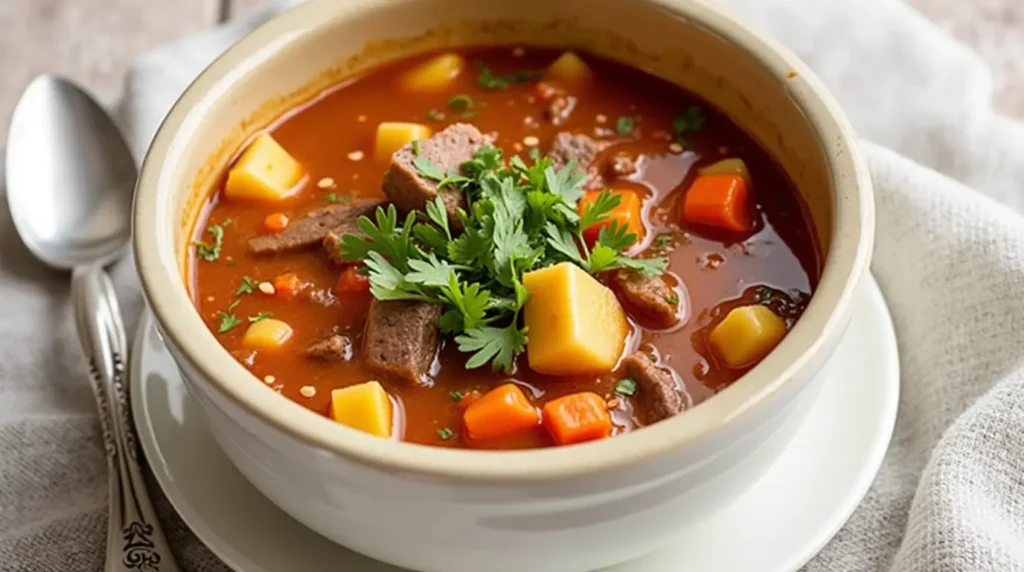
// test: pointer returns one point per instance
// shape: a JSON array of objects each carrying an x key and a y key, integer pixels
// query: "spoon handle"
[{"x": 135, "y": 541}]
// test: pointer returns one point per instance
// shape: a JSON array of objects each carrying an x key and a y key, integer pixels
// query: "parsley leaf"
[
  {"x": 597, "y": 211},
  {"x": 626, "y": 387},
  {"x": 228, "y": 319},
  {"x": 332, "y": 197},
  {"x": 456, "y": 395},
  {"x": 248, "y": 286},
  {"x": 624, "y": 125},
  {"x": 260, "y": 316},
  {"x": 427, "y": 168},
  {"x": 497, "y": 345},
  {"x": 672, "y": 299},
  {"x": 434, "y": 115},
  {"x": 461, "y": 102},
  {"x": 488, "y": 80},
  {"x": 445, "y": 433},
  {"x": 211, "y": 251}
]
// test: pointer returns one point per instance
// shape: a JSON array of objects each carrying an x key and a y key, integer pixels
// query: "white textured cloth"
[{"x": 949, "y": 258}]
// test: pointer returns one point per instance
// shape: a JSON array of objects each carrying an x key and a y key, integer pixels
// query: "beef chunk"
[
  {"x": 649, "y": 294},
  {"x": 332, "y": 242},
  {"x": 448, "y": 149},
  {"x": 332, "y": 348},
  {"x": 657, "y": 389},
  {"x": 401, "y": 338},
  {"x": 568, "y": 146},
  {"x": 311, "y": 228}
]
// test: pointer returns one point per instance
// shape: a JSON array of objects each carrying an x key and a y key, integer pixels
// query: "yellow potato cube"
[
  {"x": 576, "y": 325},
  {"x": 732, "y": 166},
  {"x": 433, "y": 74},
  {"x": 265, "y": 171},
  {"x": 393, "y": 135},
  {"x": 365, "y": 407},
  {"x": 267, "y": 334},
  {"x": 569, "y": 69},
  {"x": 746, "y": 335}
]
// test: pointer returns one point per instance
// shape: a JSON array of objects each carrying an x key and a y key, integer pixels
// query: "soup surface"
[{"x": 281, "y": 270}]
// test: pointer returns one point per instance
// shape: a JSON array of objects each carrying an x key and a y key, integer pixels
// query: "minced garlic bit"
[
  {"x": 307, "y": 391},
  {"x": 361, "y": 118},
  {"x": 675, "y": 148},
  {"x": 518, "y": 52},
  {"x": 210, "y": 298},
  {"x": 325, "y": 183},
  {"x": 517, "y": 147},
  {"x": 267, "y": 288},
  {"x": 355, "y": 156},
  {"x": 601, "y": 118},
  {"x": 531, "y": 141},
  {"x": 269, "y": 379}
]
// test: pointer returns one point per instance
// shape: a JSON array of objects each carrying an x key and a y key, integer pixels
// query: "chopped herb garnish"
[
  {"x": 332, "y": 197},
  {"x": 260, "y": 316},
  {"x": 626, "y": 387},
  {"x": 691, "y": 121},
  {"x": 487, "y": 80},
  {"x": 445, "y": 433},
  {"x": 416, "y": 148},
  {"x": 672, "y": 299},
  {"x": 434, "y": 115},
  {"x": 461, "y": 102},
  {"x": 625, "y": 125},
  {"x": 211, "y": 251},
  {"x": 662, "y": 240},
  {"x": 764, "y": 295},
  {"x": 468, "y": 114},
  {"x": 534, "y": 153},
  {"x": 248, "y": 286},
  {"x": 519, "y": 218},
  {"x": 457, "y": 395}
]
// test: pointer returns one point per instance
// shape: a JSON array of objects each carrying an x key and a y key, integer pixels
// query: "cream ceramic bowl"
[{"x": 564, "y": 509}]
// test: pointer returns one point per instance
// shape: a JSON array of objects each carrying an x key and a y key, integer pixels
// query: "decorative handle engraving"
[{"x": 134, "y": 539}]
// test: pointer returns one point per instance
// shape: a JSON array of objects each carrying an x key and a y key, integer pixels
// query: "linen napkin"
[{"x": 949, "y": 259}]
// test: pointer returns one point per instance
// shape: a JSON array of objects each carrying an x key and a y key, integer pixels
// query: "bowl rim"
[{"x": 827, "y": 312}]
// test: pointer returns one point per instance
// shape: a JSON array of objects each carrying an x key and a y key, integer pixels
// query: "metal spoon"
[{"x": 70, "y": 178}]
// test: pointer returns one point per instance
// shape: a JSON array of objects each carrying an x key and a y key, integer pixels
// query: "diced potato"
[
  {"x": 433, "y": 74},
  {"x": 393, "y": 135},
  {"x": 365, "y": 407},
  {"x": 732, "y": 166},
  {"x": 576, "y": 325},
  {"x": 569, "y": 69},
  {"x": 265, "y": 171},
  {"x": 746, "y": 335},
  {"x": 267, "y": 334}
]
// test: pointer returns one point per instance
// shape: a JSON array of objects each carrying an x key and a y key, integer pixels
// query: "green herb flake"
[
  {"x": 625, "y": 125},
  {"x": 432, "y": 115},
  {"x": 248, "y": 286},
  {"x": 662, "y": 241},
  {"x": 691, "y": 121},
  {"x": 332, "y": 198},
  {"x": 260, "y": 316},
  {"x": 457, "y": 395},
  {"x": 210, "y": 251},
  {"x": 764, "y": 295},
  {"x": 227, "y": 318},
  {"x": 445, "y": 433},
  {"x": 461, "y": 102},
  {"x": 415, "y": 148},
  {"x": 672, "y": 299},
  {"x": 488, "y": 80},
  {"x": 626, "y": 387}
]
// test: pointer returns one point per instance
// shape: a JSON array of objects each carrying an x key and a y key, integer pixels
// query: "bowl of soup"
[{"x": 456, "y": 279}]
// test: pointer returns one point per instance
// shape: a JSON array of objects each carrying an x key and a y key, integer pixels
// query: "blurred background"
[{"x": 94, "y": 41}]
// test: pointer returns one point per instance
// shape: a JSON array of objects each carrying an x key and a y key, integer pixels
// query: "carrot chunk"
[
  {"x": 287, "y": 285},
  {"x": 627, "y": 214},
  {"x": 501, "y": 412},
  {"x": 577, "y": 418},
  {"x": 720, "y": 201},
  {"x": 352, "y": 281},
  {"x": 275, "y": 222}
]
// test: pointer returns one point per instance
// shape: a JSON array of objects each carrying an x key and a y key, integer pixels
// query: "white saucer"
[{"x": 817, "y": 482}]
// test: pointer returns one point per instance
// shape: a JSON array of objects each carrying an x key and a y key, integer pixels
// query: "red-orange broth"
[{"x": 332, "y": 138}]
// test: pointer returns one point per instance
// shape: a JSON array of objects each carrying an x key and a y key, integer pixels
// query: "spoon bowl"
[{"x": 70, "y": 176}]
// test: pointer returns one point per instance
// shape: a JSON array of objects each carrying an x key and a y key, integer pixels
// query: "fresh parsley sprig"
[{"x": 518, "y": 217}]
